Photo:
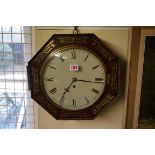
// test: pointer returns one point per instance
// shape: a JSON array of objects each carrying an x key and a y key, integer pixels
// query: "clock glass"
[{"x": 74, "y": 78}]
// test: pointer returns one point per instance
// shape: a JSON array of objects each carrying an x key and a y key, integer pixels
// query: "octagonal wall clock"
[{"x": 74, "y": 76}]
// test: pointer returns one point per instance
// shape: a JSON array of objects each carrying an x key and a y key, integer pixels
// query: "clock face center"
[{"x": 74, "y": 79}]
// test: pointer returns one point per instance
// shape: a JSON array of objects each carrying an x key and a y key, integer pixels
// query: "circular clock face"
[{"x": 73, "y": 78}]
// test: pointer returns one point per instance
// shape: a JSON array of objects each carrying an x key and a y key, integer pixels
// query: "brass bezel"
[{"x": 49, "y": 57}]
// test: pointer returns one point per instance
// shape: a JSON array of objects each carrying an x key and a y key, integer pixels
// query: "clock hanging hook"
[{"x": 75, "y": 31}]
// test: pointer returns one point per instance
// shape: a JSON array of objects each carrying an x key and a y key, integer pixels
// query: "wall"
[{"x": 116, "y": 38}]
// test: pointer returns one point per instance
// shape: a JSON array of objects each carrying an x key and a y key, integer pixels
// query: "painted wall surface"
[{"x": 112, "y": 117}]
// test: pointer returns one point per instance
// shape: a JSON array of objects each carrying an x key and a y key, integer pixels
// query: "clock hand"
[
  {"x": 67, "y": 89},
  {"x": 88, "y": 81}
]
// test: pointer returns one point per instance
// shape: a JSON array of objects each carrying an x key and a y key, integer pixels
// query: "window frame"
[{"x": 23, "y": 105}]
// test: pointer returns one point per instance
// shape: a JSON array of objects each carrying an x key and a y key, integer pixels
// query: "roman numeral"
[
  {"x": 50, "y": 79},
  {"x": 98, "y": 79},
  {"x": 86, "y": 99},
  {"x": 86, "y": 57},
  {"x": 74, "y": 102},
  {"x": 52, "y": 91},
  {"x": 73, "y": 54},
  {"x": 95, "y": 67},
  {"x": 52, "y": 67},
  {"x": 95, "y": 91},
  {"x": 61, "y": 58}
]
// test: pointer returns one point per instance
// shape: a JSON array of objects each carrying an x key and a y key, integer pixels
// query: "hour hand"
[
  {"x": 67, "y": 90},
  {"x": 62, "y": 99}
]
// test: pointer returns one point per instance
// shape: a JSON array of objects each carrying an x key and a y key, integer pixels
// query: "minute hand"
[{"x": 88, "y": 81}]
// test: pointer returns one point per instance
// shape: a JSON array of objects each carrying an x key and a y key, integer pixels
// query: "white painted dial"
[{"x": 74, "y": 78}]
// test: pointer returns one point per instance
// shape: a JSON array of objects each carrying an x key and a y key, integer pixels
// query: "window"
[{"x": 16, "y": 106}]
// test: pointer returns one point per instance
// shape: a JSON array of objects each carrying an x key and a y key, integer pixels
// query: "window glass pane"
[
  {"x": 27, "y": 57},
  {"x": 28, "y": 99},
  {"x": 26, "y": 29},
  {"x": 11, "y": 94},
  {"x": 12, "y": 126},
  {"x": 29, "y": 118},
  {"x": 9, "y": 75},
  {"x": 27, "y": 48},
  {"x": 3, "y": 125},
  {"x": 11, "y": 118},
  {"x": 26, "y": 38},
  {"x": 1, "y": 47},
  {"x": 0, "y": 37},
  {"x": 8, "y": 67},
  {"x": 22, "y": 111},
  {"x": 0, "y": 29},
  {"x": 7, "y": 38},
  {"x": 9, "y": 85},
  {"x": 18, "y": 75},
  {"x": 1, "y": 67},
  {"x": 25, "y": 68},
  {"x": 18, "y": 47},
  {"x": 16, "y": 29},
  {"x": 29, "y": 125},
  {"x": 25, "y": 75},
  {"x": 3, "y": 110},
  {"x": 29, "y": 110},
  {"x": 1, "y": 57},
  {"x": 15, "y": 110},
  {"x": 7, "y": 47},
  {"x": 2, "y": 77},
  {"x": 16, "y": 38},
  {"x": 6, "y": 29},
  {"x": 2, "y": 91},
  {"x": 2, "y": 85},
  {"x": 8, "y": 58},
  {"x": 19, "y": 85},
  {"x": 18, "y": 58},
  {"x": 25, "y": 85},
  {"x": 18, "y": 67}
]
